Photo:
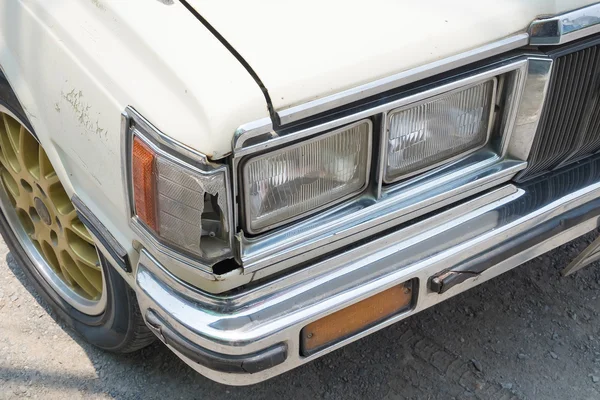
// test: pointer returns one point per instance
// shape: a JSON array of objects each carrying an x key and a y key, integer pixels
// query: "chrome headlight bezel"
[{"x": 382, "y": 205}]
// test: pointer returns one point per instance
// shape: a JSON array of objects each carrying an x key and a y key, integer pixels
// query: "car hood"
[{"x": 302, "y": 51}]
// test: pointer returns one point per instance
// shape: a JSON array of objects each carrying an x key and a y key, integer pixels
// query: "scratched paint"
[
  {"x": 82, "y": 109},
  {"x": 99, "y": 5}
]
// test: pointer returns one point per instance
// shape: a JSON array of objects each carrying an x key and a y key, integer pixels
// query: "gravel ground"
[{"x": 528, "y": 334}]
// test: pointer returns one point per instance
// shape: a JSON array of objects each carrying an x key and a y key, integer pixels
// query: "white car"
[{"x": 258, "y": 183}]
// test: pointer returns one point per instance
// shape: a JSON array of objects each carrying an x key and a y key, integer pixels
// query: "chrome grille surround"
[{"x": 569, "y": 128}]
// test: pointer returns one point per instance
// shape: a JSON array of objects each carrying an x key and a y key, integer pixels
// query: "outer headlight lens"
[
  {"x": 286, "y": 184},
  {"x": 423, "y": 135}
]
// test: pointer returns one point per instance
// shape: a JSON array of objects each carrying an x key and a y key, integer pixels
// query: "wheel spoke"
[
  {"x": 28, "y": 153},
  {"x": 50, "y": 256},
  {"x": 87, "y": 258},
  {"x": 46, "y": 168},
  {"x": 67, "y": 276},
  {"x": 94, "y": 277},
  {"x": 52, "y": 179},
  {"x": 22, "y": 147},
  {"x": 82, "y": 250},
  {"x": 80, "y": 230},
  {"x": 13, "y": 129},
  {"x": 10, "y": 184},
  {"x": 9, "y": 157},
  {"x": 60, "y": 200},
  {"x": 2, "y": 156},
  {"x": 68, "y": 264}
]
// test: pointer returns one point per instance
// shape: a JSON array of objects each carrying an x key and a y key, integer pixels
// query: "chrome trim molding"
[
  {"x": 342, "y": 227},
  {"x": 327, "y": 103},
  {"x": 276, "y": 311},
  {"x": 565, "y": 27},
  {"x": 495, "y": 69},
  {"x": 530, "y": 107},
  {"x": 251, "y": 130}
]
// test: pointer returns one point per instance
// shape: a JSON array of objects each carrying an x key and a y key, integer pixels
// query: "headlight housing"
[
  {"x": 177, "y": 196},
  {"x": 423, "y": 135},
  {"x": 286, "y": 184}
]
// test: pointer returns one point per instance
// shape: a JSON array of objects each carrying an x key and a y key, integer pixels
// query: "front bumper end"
[{"x": 253, "y": 335}]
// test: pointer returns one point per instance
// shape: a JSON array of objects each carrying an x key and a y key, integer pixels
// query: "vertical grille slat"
[
  {"x": 591, "y": 127},
  {"x": 569, "y": 127}
]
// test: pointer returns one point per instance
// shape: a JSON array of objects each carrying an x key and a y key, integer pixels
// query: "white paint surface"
[{"x": 304, "y": 50}]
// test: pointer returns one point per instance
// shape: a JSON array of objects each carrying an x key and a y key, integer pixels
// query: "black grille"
[{"x": 569, "y": 127}]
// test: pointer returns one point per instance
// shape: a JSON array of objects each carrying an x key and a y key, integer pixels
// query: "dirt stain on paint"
[
  {"x": 82, "y": 111},
  {"x": 99, "y": 5}
]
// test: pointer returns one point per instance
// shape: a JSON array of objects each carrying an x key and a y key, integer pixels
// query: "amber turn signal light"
[
  {"x": 144, "y": 190},
  {"x": 355, "y": 318}
]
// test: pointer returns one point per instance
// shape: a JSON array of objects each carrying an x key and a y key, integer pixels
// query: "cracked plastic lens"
[{"x": 181, "y": 205}]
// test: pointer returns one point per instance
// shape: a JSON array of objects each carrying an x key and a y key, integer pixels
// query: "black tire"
[{"x": 119, "y": 327}]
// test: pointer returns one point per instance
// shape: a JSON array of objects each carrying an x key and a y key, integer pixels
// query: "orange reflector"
[
  {"x": 355, "y": 318},
  {"x": 144, "y": 191}
]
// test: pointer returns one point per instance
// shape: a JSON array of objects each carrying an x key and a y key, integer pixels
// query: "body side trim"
[{"x": 98, "y": 230}]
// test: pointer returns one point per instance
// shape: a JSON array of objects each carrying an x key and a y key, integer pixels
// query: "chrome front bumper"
[{"x": 253, "y": 335}]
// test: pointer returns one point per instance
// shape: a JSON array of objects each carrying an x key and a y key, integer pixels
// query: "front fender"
[{"x": 75, "y": 66}]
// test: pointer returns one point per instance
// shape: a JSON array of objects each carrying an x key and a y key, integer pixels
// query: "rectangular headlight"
[
  {"x": 294, "y": 181},
  {"x": 421, "y": 136}
]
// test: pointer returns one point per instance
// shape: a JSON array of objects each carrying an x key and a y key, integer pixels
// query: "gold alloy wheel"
[{"x": 46, "y": 214}]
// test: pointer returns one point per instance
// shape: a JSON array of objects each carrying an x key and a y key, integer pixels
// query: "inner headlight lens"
[
  {"x": 286, "y": 184},
  {"x": 422, "y": 135}
]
